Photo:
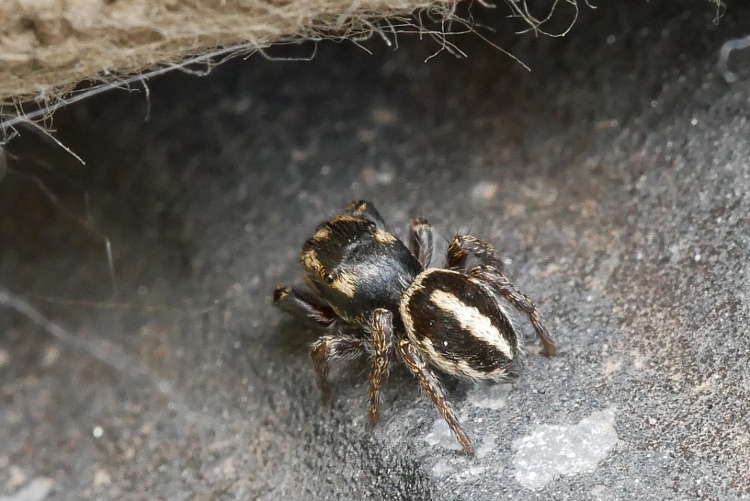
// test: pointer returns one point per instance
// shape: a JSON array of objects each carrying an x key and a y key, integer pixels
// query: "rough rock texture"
[{"x": 614, "y": 178}]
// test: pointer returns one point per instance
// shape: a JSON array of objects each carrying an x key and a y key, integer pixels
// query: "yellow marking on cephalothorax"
[
  {"x": 383, "y": 237},
  {"x": 346, "y": 218},
  {"x": 323, "y": 233},
  {"x": 345, "y": 282},
  {"x": 311, "y": 262}
]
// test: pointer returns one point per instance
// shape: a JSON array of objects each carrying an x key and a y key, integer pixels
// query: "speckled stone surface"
[{"x": 614, "y": 179}]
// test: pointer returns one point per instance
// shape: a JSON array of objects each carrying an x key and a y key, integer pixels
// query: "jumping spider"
[{"x": 375, "y": 297}]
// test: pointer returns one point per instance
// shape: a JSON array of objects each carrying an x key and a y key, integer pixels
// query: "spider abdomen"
[{"x": 459, "y": 326}]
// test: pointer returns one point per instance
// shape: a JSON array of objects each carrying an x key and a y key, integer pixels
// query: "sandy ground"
[{"x": 614, "y": 178}]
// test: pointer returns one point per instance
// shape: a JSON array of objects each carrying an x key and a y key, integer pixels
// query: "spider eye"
[{"x": 328, "y": 278}]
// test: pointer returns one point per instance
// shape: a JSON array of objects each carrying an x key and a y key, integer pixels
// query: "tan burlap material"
[{"x": 48, "y": 46}]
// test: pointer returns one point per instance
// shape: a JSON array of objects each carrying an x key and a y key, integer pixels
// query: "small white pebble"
[
  {"x": 51, "y": 355},
  {"x": 101, "y": 477},
  {"x": 37, "y": 490},
  {"x": 384, "y": 176},
  {"x": 98, "y": 432},
  {"x": 16, "y": 476},
  {"x": 484, "y": 191},
  {"x": 383, "y": 116}
]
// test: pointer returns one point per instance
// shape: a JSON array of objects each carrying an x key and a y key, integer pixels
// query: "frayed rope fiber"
[{"x": 49, "y": 46}]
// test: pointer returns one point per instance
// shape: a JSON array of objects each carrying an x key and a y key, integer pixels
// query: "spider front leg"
[
  {"x": 461, "y": 246},
  {"x": 385, "y": 351},
  {"x": 420, "y": 241},
  {"x": 519, "y": 300},
  {"x": 304, "y": 306},
  {"x": 431, "y": 385},
  {"x": 333, "y": 347}
]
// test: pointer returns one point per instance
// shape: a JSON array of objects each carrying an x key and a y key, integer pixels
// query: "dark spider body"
[
  {"x": 356, "y": 266},
  {"x": 376, "y": 297}
]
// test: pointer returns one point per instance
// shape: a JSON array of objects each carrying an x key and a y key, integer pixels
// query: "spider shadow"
[
  {"x": 292, "y": 336},
  {"x": 292, "y": 340}
]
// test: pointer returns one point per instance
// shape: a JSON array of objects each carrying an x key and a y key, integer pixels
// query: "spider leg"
[
  {"x": 420, "y": 241},
  {"x": 304, "y": 306},
  {"x": 518, "y": 299},
  {"x": 333, "y": 347},
  {"x": 461, "y": 246},
  {"x": 434, "y": 389},
  {"x": 365, "y": 209},
  {"x": 385, "y": 351}
]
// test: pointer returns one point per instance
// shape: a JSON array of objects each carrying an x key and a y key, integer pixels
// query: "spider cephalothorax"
[{"x": 376, "y": 297}]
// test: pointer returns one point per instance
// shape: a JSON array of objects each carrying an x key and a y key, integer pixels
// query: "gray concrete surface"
[{"x": 614, "y": 178}]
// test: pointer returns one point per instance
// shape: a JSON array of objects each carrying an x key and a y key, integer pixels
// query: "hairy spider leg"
[
  {"x": 434, "y": 389},
  {"x": 523, "y": 303},
  {"x": 385, "y": 352},
  {"x": 333, "y": 347},
  {"x": 420, "y": 241},
  {"x": 304, "y": 306},
  {"x": 461, "y": 246}
]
